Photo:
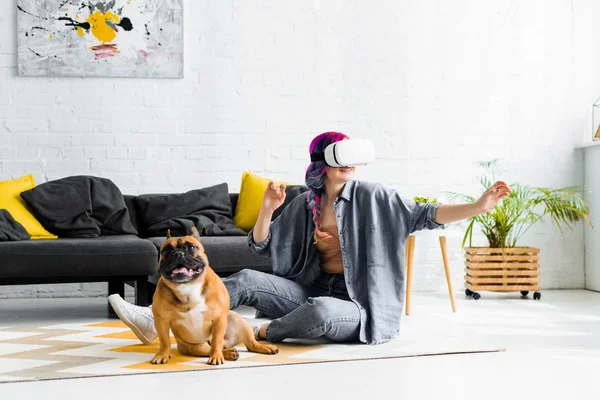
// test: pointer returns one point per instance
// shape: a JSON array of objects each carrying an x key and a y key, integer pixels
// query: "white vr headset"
[{"x": 346, "y": 153}]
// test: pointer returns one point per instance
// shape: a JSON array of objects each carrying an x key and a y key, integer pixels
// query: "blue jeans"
[{"x": 301, "y": 312}]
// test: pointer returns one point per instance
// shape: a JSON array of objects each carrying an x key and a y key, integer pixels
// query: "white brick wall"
[{"x": 437, "y": 85}]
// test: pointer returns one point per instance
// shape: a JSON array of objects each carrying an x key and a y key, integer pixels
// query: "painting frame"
[{"x": 100, "y": 38}]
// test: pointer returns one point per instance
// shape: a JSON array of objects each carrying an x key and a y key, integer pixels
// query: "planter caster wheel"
[
  {"x": 524, "y": 293},
  {"x": 468, "y": 293},
  {"x": 537, "y": 296},
  {"x": 476, "y": 295}
]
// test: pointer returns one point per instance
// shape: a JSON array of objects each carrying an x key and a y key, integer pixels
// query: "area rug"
[{"x": 110, "y": 348}]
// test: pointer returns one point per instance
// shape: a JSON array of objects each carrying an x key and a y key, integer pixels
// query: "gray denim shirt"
[{"x": 373, "y": 224}]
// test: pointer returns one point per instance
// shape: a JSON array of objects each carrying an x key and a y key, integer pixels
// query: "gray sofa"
[
  {"x": 226, "y": 254},
  {"x": 117, "y": 260}
]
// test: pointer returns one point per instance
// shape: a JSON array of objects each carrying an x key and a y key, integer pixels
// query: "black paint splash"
[
  {"x": 75, "y": 24},
  {"x": 27, "y": 12},
  {"x": 149, "y": 35},
  {"x": 126, "y": 24},
  {"x": 40, "y": 28},
  {"x": 37, "y": 54},
  {"x": 65, "y": 2}
]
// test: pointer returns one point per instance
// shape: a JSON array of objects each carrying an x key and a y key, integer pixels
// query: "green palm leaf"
[{"x": 506, "y": 223}]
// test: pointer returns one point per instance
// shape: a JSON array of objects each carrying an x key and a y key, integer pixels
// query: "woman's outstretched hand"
[
  {"x": 493, "y": 195},
  {"x": 274, "y": 197}
]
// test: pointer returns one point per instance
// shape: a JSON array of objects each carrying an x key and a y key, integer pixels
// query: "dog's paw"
[
  {"x": 231, "y": 354},
  {"x": 160, "y": 359},
  {"x": 216, "y": 358},
  {"x": 271, "y": 349}
]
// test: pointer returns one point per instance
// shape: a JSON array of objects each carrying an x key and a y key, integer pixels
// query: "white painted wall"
[{"x": 437, "y": 85}]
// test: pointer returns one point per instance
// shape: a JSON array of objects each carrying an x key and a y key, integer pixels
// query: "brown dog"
[{"x": 192, "y": 302}]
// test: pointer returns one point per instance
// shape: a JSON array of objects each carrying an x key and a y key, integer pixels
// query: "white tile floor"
[{"x": 552, "y": 350}]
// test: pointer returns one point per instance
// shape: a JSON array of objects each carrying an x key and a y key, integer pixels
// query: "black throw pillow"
[
  {"x": 80, "y": 207},
  {"x": 11, "y": 230},
  {"x": 208, "y": 209}
]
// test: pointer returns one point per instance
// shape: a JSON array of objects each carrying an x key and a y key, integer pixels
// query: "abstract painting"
[{"x": 111, "y": 38}]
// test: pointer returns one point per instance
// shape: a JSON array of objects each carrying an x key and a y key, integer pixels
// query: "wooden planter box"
[{"x": 502, "y": 270}]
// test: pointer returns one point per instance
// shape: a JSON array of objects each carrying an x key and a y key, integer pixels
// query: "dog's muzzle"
[{"x": 179, "y": 266}]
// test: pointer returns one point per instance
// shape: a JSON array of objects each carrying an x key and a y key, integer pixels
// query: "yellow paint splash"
[
  {"x": 100, "y": 29},
  {"x": 80, "y": 31},
  {"x": 50, "y": 36}
]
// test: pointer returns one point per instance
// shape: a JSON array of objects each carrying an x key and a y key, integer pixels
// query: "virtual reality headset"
[{"x": 346, "y": 153}]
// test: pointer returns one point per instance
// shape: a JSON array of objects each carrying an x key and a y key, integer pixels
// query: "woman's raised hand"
[
  {"x": 493, "y": 195},
  {"x": 274, "y": 197}
]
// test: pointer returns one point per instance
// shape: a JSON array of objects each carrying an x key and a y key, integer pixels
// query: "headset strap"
[{"x": 317, "y": 157}]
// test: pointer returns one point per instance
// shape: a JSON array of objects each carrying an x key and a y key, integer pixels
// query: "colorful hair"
[{"x": 316, "y": 173}]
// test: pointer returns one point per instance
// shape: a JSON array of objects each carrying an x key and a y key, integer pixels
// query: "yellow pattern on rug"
[
  {"x": 288, "y": 354},
  {"x": 110, "y": 348}
]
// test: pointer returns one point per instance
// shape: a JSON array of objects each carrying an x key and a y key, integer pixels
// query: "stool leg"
[
  {"x": 410, "y": 257},
  {"x": 447, "y": 269}
]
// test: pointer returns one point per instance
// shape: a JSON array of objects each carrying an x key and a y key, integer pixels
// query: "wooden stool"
[{"x": 410, "y": 256}]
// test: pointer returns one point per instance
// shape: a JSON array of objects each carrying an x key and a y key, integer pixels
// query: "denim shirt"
[{"x": 373, "y": 224}]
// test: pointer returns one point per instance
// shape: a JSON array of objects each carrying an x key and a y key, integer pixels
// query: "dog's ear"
[
  {"x": 168, "y": 234},
  {"x": 195, "y": 233}
]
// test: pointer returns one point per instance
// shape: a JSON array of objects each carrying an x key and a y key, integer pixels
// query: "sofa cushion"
[
  {"x": 252, "y": 191},
  {"x": 228, "y": 254},
  {"x": 247, "y": 205},
  {"x": 133, "y": 213},
  {"x": 80, "y": 207},
  {"x": 11, "y": 230},
  {"x": 208, "y": 209},
  {"x": 10, "y": 199},
  {"x": 68, "y": 257},
  {"x": 233, "y": 198}
]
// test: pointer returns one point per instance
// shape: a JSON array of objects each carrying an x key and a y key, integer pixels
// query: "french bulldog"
[{"x": 192, "y": 302}]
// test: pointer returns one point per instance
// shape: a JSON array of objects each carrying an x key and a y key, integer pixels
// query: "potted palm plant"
[{"x": 504, "y": 266}]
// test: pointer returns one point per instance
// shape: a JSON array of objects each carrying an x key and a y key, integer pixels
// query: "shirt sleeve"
[
  {"x": 422, "y": 215},
  {"x": 261, "y": 248},
  {"x": 282, "y": 229}
]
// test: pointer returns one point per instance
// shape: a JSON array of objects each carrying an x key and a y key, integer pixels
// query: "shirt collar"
[
  {"x": 346, "y": 193},
  {"x": 347, "y": 190}
]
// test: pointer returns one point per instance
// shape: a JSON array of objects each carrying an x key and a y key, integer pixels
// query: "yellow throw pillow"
[
  {"x": 11, "y": 200},
  {"x": 250, "y": 198}
]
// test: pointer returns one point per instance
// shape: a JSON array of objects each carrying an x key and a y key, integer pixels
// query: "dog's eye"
[{"x": 191, "y": 248}]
